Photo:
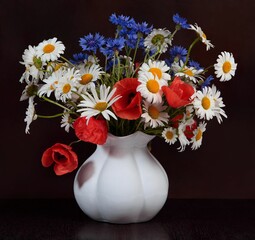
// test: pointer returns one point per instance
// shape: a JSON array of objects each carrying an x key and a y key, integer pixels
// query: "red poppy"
[
  {"x": 94, "y": 130},
  {"x": 178, "y": 93},
  {"x": 129, "y": 105},
  {"x": 62, "y": 155}
]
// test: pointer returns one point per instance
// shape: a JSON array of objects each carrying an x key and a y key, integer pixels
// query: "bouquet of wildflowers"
[{"x": 137, "y": 80}]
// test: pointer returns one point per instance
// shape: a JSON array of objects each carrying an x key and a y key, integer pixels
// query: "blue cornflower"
[
  {"x": 143, "y": 28},
  {"x": 195, "y": 65},
  {"x": 78, "y": 58},
  {"x": 92, "y": 42},
  {"x": 207, "y": 81},
  {"x": 180, "y": 21},
  {"x": 177, "y": 53},
  {"x": 121, "y": 20},
  {"x": 112, "y": 45},
  {"x": 131, "y": 40}
]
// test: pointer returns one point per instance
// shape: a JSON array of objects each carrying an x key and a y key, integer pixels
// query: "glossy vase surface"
[{"x": 121, "y": 182}]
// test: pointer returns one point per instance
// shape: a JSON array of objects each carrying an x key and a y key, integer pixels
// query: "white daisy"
[
  {"x": 51, "y": 84},
  {"x": 154, "y": 114},
  {"x": 32, "y": 63},
  {"x": 202, "y": 35},
  {"x": 67, "y": 85},
  {"x": 89, "y": 75},
  {"x": 30, "y": 114},
  {"x": 93, "y": 105},
  {"x": 150, "y": 87},
  {"x": 190, "y": 73},
  {"x": 225, "y": 67},
  {"x": 196, "y": 140},
  {"x": 91, "y": 60},
  {"x": 29, "y": 91},
  {"x": 157, "y": 68},
  {"x": 28, "y": 55},
  {"x": 169, "y": 134},
  {"x": 66, "y": 121},
  {"x": 218, "y": 103},
  {"x": 208, "y": 103},
  {"x": 182, "y": 137},
  {"x": 50, "y": 50},
  {"x": 158, "y": 40},
  {"x": 204, "y": 104}
]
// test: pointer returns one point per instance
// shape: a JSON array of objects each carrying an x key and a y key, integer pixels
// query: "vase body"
[{"x": 121, "y": 182}]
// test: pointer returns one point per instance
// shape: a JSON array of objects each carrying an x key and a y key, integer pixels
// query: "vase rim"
[
  {"x": 137, "y": 138},
  {"x": 132, "y": 134}
]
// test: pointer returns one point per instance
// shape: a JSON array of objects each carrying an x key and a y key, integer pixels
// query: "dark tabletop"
[{"x": 179, "y": 219}]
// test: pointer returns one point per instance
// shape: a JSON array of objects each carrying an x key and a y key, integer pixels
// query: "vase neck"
[{"x": 137, "y": 139}]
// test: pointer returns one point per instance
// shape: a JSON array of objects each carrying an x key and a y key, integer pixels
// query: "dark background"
[{"x": 224, "y": 166}]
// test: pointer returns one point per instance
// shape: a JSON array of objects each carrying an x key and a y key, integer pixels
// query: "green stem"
[
  {"x": 66, "y": 60},
  {"x": 52, "y": 116},
  {"x": 55, "y": 103},
  {"x": 189, "y": 51},
  {"x": 136, "y": 47},
  {"x": 74, "y": 142}
]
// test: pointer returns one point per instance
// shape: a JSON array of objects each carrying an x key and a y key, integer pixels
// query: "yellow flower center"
[
  {"x": 199, "y": 135},
  {"x": 189, "y": 72},
  {"x": 206, "y": 103},
  {"x": 203, "y": 35},
  {"x": 48, "y": 48},
  {"x": 101, "y": 106},
  {"x": 86, "y": 78},
  {"x": 226, "y": 67},
  {"x": 156, "y": 72},
  {"x": 169, "y": 135},
  {"x": 66, "y": 88},
  {"x": 158, "y": 39},
  {"x": 153, "y": 112},
  {"x": 152, "y": 86}
]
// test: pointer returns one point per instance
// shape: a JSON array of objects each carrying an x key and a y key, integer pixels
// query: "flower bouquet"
[{"x": 138, "y": 80}]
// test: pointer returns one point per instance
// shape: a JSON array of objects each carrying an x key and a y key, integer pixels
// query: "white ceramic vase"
[{"x": 121, "y": 182}]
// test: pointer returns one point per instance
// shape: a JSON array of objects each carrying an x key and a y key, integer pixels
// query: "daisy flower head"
[
  {"x": 187, "y": 72},
  {"x": 67, "y": 85},
  {"x": 225, "y": 67},
  {"x": 150, "y": 87},
  {"x": 50, "y": 50},
  {"x": 95, "y": 104},
  {"x": 182, "y": 137},
  {"x": 196, "y": 140},
  {"x": 202, "y": 35},
  {"x": 89, "y": 75},
  {"x": 51, "y": 83},
  {"x": 170, "y": 135},
  {"x": 154, "y": 115},
  {"x": 204, "y": 103},
  {"x": 158, "y": 40},
  {"x": 66, "y": 121},
  {"x": 33, "y": 64},
  {"x": 30, "y": 90},
  {"x": 157, "y": 68},
  {"x": 28, "y": 56},
  {"x": 218, "y": 104}
]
